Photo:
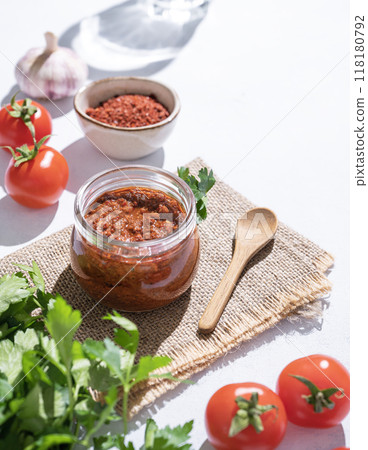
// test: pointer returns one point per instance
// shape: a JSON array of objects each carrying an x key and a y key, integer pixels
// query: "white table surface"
[{"x": 264, "y": 91}]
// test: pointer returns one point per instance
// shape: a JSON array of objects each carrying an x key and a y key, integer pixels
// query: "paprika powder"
[{"x": 129, "y": 111}]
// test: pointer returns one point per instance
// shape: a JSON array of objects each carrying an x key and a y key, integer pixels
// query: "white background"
[
  {"x": 265, "y": 79},
  {"x": 359, "y": 238}
]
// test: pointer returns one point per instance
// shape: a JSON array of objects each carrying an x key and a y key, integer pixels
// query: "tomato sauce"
[
  {"x": 133, "y": 278},
  {"x": 135, "y": 214}
]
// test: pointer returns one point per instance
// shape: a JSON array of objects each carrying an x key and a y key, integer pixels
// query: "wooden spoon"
[{"x": 253, "y": 231}]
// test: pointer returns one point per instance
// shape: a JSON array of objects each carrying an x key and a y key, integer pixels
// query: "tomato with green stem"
[
  {"x": 315, "y": 391},
  {"x": 245, "y": 416},
  {"x": 37, "y": 175},
  {"x": 22, "y": 120}
]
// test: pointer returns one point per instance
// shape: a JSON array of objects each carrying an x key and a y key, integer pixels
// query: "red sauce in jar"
[
  {"x": 135, "y": 278},
  {"x": 135, "y": 214},
  {"x": 129, "y": 111}
]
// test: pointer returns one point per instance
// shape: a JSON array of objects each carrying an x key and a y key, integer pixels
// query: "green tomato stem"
[
  {"x": 23, "y": 112},
  {"x": 318, "y": 398},
  {"x": 249, "y": 413},
  {"x": 25, "y": 153}
]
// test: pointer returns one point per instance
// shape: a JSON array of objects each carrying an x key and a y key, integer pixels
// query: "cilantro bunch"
[
  {"x": 46, "y": 375},
  {"x": 199, "y": 187}
]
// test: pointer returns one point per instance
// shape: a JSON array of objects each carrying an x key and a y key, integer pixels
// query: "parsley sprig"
[
  {"x": 199, "y": 187},
  {"x": 46, "y": 374}
]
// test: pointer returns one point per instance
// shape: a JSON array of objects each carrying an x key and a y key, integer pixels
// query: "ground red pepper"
[{"x": 129, "y": 111}]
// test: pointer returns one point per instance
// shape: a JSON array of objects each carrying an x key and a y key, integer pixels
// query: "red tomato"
[
  {"x": 342, "y": 448},
  {"x": 222, "y": 408},
  {"x": 39, "y": 182},
  {"x": 324, "y": 372},
  {"x": 13, "y": 131}
]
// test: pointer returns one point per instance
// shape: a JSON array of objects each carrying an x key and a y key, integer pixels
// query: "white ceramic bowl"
[{"x": 121, "y": 142}]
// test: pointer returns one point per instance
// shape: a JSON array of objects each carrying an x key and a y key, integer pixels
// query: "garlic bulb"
[{"x": 53, "y": 72}]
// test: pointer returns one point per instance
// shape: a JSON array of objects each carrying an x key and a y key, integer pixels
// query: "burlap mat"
[{"x": 286, "y": 275}]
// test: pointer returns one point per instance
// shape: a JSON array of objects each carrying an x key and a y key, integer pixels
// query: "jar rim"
[{"x": 188, "y": 222}]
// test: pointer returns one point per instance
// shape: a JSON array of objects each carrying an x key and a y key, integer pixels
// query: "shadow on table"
[
  {"x": 148, "y": 322},
  {"x": 21, "y": 223},
  {"x": 126, "y": 40},
  {"x": 56, "y": 108},
  {"x": 85, "y": 160},
  {"x": 298, "y": 438},
  {"x": 5, "y": 157}
]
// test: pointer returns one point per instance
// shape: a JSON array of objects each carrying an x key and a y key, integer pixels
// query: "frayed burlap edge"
[
  {"x": 230, "y": 335},
  {"x": 300, "y": 297}
]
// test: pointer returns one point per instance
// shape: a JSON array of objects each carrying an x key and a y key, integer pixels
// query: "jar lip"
[{"x": 177, "y": 235}]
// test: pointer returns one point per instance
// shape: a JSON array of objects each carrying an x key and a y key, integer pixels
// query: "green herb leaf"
[
  {"x": 207, "y": 180},
  {"x": 52, "y": 440},
  {"x": 169, "y": 376},
  {"x": 35, "y": 274},
  {"x": 167, "y": 438},
  {"x": 13, "y": 289},
  {"x": 110, "y": 401},
  {"x": 6, "y": 391},
  {"x": 183, "y": 173},
  {"x": 202, "y": 209},
  {"x": 151, "y": 430},
  {"x": 44, "y": 300},
  {"x": 199, "y": 188},
  {"x": 105, "y": 351},
  {"x": 5, "y": 330},
  {"x": 10, "y": 360},
  {"x": 40, "y": 405},
  {"x": 128, "y": 335},
  {"x": 26, "y": 340},
  {"x": 11, "y": 353},
  {"x": 50, "y": 351},
  {"x": 33, "y": 368},
  {"x": 100, "y": 377},
  {"x": 147, "y": 364},
  {"x": 111, "y": 441},
  {"x": 80, "y": 368},
  {"x": 63, "y": 322}
]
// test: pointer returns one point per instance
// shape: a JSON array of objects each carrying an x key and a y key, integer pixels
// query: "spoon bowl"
[{"x": 254, "y": 230}]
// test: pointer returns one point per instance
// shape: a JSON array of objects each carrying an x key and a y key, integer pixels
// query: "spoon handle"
[{"x": 223, "y": 292}]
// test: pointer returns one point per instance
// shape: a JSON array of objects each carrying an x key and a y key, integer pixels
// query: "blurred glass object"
[
  {"x": 136, "y": 33},
  {"x": 177, "y": 10}
]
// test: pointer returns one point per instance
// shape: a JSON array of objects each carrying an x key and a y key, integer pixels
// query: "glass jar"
[{"x": 135, "y": 276}]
